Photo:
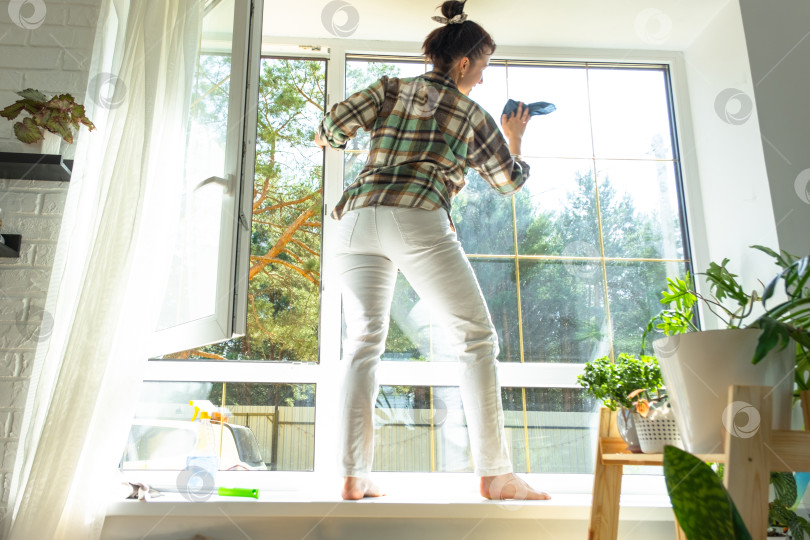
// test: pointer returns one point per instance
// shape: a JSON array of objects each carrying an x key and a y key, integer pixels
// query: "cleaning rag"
[{"x": 535, "y": 109}]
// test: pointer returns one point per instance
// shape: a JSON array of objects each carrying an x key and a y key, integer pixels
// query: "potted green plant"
[
  {"x": 614, "y": 384},
  {"x": 705, "y": 509},
  {"x": 701, "y": 503},
  {"x": 60, "y": 115},
  {"x": 698, "y": 366},
  {"x": 783, "y": 521}
]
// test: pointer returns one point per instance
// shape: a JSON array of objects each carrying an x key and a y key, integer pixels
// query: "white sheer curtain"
[{"x": 107, "y": 277}]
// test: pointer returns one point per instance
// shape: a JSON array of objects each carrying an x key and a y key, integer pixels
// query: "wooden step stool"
[{"x": 749, "y": 462}]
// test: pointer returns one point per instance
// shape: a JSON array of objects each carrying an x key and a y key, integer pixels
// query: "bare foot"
[
  {"x": 510, "y": 486},
  {"x": 355, "y": 488}
]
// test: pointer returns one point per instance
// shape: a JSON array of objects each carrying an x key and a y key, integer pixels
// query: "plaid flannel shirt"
[{"x": 424, "y": 135}]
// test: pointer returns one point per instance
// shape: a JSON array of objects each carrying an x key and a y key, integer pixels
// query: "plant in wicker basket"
[
  {"x": 656, "y": 426},
  {"x": 647, "y": 405},
  {"x": 614, "y": 382}
]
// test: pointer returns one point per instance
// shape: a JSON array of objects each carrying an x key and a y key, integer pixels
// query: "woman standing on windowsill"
[{"x": 425, "y": 132}]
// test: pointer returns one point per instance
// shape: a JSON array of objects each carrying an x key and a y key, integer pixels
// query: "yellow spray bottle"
[{"x": 205, "y": 454}]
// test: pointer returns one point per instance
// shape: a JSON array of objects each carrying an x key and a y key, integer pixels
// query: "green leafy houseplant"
[
  {"x": 781, "y": 511},
  {"x": 629, "y": 382},
  {"x": 60, "y": 115},
  {"x": 617, "y": 383},
  {"x": 699, "y": 500},
  {"x": 705, "y": 509},
  {"x": 733, "y": 305},
  {"x": 614, "y": 382}
]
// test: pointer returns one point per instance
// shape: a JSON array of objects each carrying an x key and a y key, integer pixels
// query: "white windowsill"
[
  {"x": 280, "y": 504},
  {"x": 417, "y": 496}
]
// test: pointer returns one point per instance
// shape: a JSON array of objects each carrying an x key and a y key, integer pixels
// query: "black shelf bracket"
[
  {"x": 20, "y": 166},
  {"x": 11, "y": 249}
]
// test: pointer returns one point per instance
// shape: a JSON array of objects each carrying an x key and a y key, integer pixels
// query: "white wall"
[
  {"x": 51, "y": 56},
  {"x": 215, "y": 526},
  {"x": 731, "y": 206},
  {"x": 778, "y": 39},
  {"x": 33, "y": 209}
]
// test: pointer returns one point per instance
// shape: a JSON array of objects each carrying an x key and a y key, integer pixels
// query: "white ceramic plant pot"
[
  {"x": 699, "y": 367},
  {"x": 51, "y": 144}
]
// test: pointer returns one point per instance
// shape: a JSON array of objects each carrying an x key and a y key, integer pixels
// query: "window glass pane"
[
  {"x": 557, "y": 210},
  {"x": 361, "y": 73},
  {"x": 190, "y": 295},
  {"x": 492, "y": 95},
  {"x": 420, "y": 429},
  {"x": 423, "y": 429},
  {"x": 634, "y": 290},
  {"x": 483, "y": 218},
  {"x": 284, "y": 287},
  {"x": 416, "y": 334},
  {"x": 550, "y": 429},
  {"x": 630, "y": 113},
  {"x": 497, "y": 281},
  {"x": 198, "y": 297},
  {"x": 411, "y": 327},
  {"x": 566, "y": 132},
  {"x": 354, "y": 159},
  {"x": 286, "y": 244},
  {"x": 639, "y": 208},
  {"x": 267, "y": 427},
  {"x": 563, "y": 306}
]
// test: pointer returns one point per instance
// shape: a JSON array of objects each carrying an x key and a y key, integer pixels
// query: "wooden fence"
[{"x": 404, "y": 440}]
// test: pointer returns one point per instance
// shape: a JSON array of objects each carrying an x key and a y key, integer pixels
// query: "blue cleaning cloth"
[{"x": 535, "y": 109}]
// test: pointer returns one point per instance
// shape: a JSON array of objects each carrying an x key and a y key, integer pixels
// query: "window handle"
[{"x": 226, "y": 185}]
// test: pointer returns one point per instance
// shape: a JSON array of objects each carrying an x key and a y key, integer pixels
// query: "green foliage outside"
[{"x": 563, "y": 302}]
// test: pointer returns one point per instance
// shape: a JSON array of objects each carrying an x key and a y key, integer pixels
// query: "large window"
[{"x": 571, "y": 268}]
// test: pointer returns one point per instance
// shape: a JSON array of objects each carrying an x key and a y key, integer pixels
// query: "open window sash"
[{"x": 205, "y": 300}]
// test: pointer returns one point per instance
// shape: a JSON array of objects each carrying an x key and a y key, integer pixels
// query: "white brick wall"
[
  {"x": 53, "y": 57},
  {"x": 33, "y": 209}
]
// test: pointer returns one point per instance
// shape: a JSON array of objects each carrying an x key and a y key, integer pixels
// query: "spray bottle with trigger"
[{"x": 206, "y": 453}]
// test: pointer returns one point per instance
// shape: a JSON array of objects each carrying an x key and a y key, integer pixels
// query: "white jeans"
[{"x": 374, "y": 242}]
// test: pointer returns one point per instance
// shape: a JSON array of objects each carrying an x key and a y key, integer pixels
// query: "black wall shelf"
[
  {"x": 11, "y": 249},
  {"x": 17, "y": 166}
]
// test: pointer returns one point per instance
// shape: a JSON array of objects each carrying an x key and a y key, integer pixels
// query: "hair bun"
[
  {"x": 451, "y": 8},
  {"x": 458, "y": 38}
]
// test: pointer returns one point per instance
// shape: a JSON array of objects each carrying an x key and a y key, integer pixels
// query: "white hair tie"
[{"x": 458, "y": 19}]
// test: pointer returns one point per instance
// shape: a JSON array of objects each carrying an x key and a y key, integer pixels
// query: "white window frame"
[
  {"x": 325, "y": 373},
  {"x": 229, "y": 317}
]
